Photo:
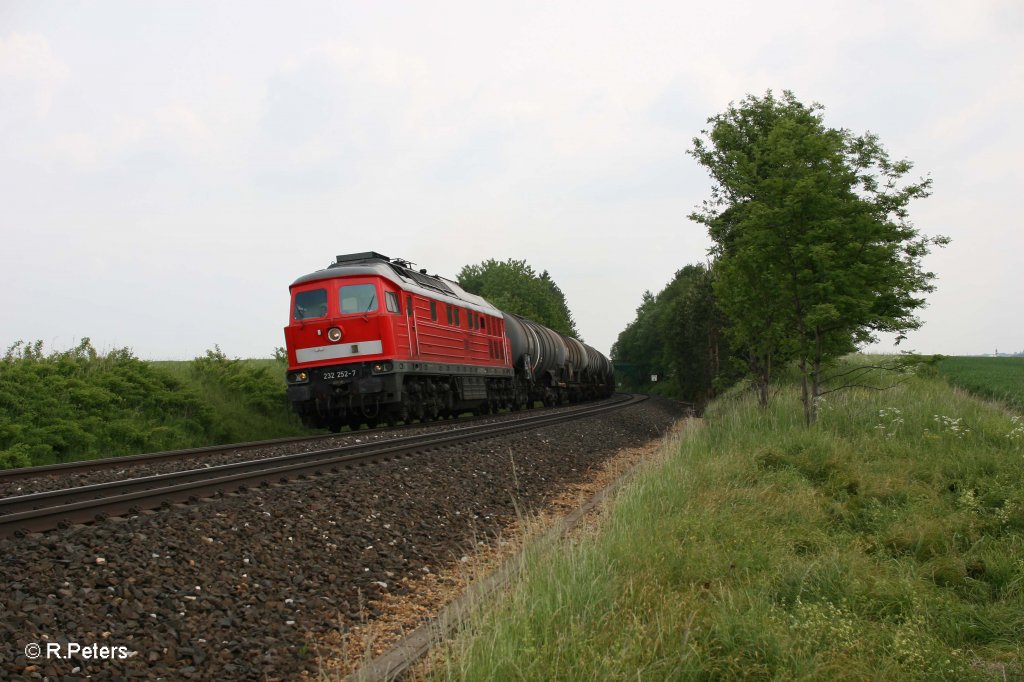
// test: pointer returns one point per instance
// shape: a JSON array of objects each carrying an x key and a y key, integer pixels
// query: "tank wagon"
[{"x": 372, "y": 339}]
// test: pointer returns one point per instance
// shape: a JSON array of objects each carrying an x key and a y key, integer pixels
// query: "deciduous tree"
[
  {"x": 815, "y": 250},
  {"x": 515, "y": 287},
  {"x": 677, "y": 335}
]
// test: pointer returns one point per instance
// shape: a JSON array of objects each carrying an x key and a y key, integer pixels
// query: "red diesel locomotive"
[{"x": 371, "y": 339}]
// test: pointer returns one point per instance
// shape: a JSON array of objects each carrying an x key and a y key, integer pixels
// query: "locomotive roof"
[{"x": 373, "y": 264}]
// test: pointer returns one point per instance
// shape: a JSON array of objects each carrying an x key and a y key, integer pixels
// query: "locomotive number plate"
[{"x": 340, "y": 374}]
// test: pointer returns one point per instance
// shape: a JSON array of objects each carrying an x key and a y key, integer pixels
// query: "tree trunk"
[
  {"x": 761, "y": 369},
  {"x": 711, "y": 365},
  {"x": 805, "y": 394},
  {"x": 815, "y": 376}
]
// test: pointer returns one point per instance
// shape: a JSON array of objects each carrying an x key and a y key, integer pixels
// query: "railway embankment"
[
  {"x": 885, "y": 542},
  {"x": 273, "y": 582}
]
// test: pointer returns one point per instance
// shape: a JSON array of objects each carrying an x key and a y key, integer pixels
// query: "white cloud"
[
  {"x": 28, "y": 57},
  {"x": 30, "y": 73}
]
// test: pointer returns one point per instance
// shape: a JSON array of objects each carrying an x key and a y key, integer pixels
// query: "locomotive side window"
[
  {"x": 357, "y": 298},
  {"x": 471, "y": 319},
  {"x": 481, "y": 320},
  {"x": 310, "y": 304},
  {"x": 449, "y": 310},
  {"x": 391, "y": 301},
  {"x": 457, "y": 321},
  {"x": 433, "y": 310},
  {"x": 408, "y": 306}
]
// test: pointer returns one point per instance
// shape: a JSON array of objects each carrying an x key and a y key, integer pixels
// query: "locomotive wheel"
[
  {"x": 334, "y": 424},
  {"x": 354, "y": 424},
  {"x": 372, "y": 422}
]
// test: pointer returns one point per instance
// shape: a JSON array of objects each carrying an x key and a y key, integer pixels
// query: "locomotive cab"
[
  {"x": 336, "y": 319},
  {"x": 340, "y": 348}
]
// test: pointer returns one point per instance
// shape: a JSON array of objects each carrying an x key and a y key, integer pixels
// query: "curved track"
[
  {"x": 47, "y": 510},
  {"x": 89, "y": 465}
]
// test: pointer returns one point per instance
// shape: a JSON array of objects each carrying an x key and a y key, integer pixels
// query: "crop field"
[{"x": 996, "y": 378}]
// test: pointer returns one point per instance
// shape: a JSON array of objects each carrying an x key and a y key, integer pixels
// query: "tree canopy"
[
  {"x": 815, "y": 253},
  {"x": 514, "y": 286},
  {"x": 678, "y": 335}
]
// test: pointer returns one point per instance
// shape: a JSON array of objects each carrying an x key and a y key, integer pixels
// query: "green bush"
[
  {"x": 16, "y": 456},
  {"x": 253, "y": 385},
  {"x": 80, "y": 404}
]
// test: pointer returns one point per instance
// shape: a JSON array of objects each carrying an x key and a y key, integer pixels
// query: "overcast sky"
[{"x": 167, "y": 169}]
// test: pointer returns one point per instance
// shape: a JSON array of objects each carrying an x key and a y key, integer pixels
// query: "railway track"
[
  {"x": 90, "y": 465},
  {"x": 44, "y": 511}
]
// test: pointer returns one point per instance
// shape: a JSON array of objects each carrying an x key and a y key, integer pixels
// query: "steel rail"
[
  {"x": 131, "y": 460},
  {"x": 88, "y": 465},
  {"x": 15, "y": 504},
  {"x": 39, "y": 512}
]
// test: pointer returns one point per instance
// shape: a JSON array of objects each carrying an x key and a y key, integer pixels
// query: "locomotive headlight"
[
  {"x": 334, "y": 335},
  {"x": 298, "y": 378},
  {"x": 379, "y": 367}
]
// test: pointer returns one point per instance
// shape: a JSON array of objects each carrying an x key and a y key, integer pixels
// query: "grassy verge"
[
  {"x": 996, "y": 378},
  {"x": 887, "y": 542}
]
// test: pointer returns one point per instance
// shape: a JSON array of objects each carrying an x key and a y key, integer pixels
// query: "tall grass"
[{"x": 886, "y": 542}]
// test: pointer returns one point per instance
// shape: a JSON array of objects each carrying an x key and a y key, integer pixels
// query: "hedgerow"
[
  {"x": 80, "y": 404},
  {"x": 254, "y": 386}
]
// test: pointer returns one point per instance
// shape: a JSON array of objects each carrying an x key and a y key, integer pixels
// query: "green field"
[
  {"x": 885, "y": 542},
  {"x": 996, "y": 378}
]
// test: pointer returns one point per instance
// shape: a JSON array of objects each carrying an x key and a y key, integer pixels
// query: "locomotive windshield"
[
  {"x": 358, "y": 298},
  {"x": 310, "y": 304}
]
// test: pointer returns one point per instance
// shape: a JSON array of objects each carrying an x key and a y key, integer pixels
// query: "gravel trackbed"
[{"x": 241, "y": 587}]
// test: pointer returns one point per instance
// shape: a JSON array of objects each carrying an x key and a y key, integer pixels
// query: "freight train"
[{"x": 372, "y": 339}]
